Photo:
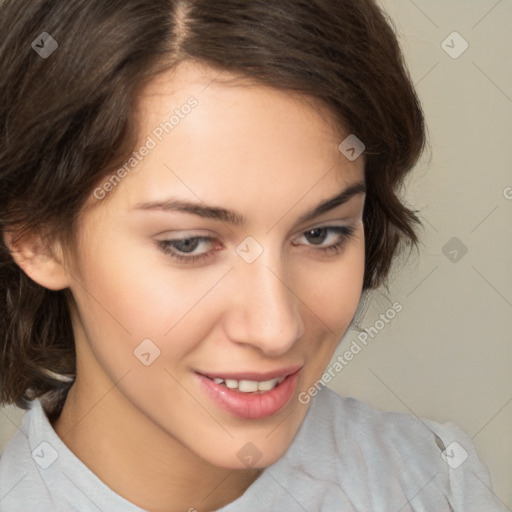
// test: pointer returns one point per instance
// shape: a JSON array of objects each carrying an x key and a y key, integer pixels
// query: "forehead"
[{"x": 215, "y": 137}]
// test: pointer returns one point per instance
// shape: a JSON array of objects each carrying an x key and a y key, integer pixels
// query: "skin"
[{"x": 270, "y": 156}]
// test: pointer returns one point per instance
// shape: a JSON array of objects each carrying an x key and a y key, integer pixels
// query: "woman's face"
[{"x": 220, "y": 260}]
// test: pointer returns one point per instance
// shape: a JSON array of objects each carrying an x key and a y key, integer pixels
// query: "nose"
[{"x": 264, "y": 311}]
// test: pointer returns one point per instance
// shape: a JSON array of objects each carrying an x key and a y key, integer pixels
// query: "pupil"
[
  {"x": 316, "y": 236},
  {"x": 187, "y": 245}
]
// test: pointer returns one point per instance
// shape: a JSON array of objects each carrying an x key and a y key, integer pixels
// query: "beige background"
[{"x": 448, "y": 354}]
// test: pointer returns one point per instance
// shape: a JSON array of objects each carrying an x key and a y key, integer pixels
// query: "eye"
[
  {"x": 328, "y": 239},
  {"x": 186, "y": 249}
]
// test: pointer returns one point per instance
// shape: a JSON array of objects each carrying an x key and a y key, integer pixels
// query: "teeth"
[
  {"x": 231, "y": 384},
  {"x": 249, "y": 386}
]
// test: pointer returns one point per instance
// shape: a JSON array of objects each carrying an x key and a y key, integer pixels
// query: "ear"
[{"x": 43, "y": 264}]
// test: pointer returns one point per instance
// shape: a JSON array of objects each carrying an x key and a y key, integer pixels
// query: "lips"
[{"x": 250, "y": 395}]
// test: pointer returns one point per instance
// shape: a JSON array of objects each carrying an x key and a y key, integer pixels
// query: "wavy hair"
[{"x": 67, "y": 120}]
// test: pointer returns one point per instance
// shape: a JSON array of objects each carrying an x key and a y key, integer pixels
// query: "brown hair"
[{"x": 67, "y": 120}]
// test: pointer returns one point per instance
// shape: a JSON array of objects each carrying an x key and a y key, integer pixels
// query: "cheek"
[
  {"x": 118, "y": 277},
  {"x": 332, "y": 290},
  {"x": 127, "y": 295}
]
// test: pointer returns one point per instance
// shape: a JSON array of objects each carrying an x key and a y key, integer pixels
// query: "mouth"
[{"x": 251, "y": 395}]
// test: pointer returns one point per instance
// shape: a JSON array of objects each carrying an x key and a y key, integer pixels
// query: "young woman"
[{"x": 195, "y": 198}]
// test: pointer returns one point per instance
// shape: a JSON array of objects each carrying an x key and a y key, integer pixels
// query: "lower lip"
[{"x": 251, "y": 405}]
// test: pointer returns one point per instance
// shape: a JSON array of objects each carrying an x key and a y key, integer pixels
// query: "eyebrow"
[{"x": 232, "y": 217}]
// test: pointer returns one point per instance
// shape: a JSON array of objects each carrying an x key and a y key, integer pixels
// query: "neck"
[{"x": 159, "y": 473}]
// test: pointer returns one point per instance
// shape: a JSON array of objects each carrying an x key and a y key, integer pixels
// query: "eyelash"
[{"x": 345, "y": 232}]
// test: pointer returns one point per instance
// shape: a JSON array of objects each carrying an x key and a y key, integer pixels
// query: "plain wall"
[{"x": 447, "y": 355}]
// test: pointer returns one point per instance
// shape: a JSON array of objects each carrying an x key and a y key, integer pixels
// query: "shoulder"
[
  {"x": 387, "y": 434},
  {"x": 21, "y": 487},
  {"x": 39, "y": 472},
  {"x": 388, "y": 459},
  {"x": 366, "y": 439}
]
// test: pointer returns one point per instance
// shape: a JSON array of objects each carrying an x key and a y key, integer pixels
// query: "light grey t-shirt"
[{"x": 346, "y": 457}]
